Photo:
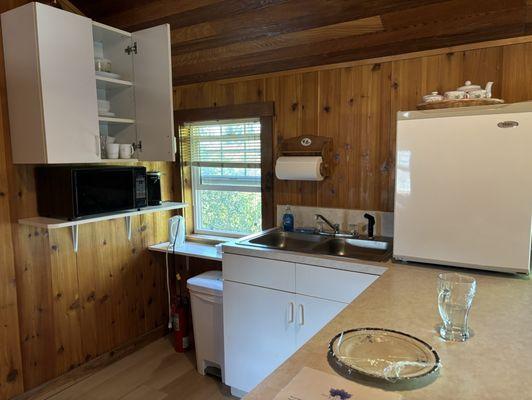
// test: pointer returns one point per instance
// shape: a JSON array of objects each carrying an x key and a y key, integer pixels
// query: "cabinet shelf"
[
  {"x": 54, "y": 223},
  {"x": 103, "y": 82},
  {"x": 115, "y": 120}
]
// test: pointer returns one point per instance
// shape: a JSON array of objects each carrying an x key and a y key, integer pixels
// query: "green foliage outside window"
[{"x": 238, "y": 212}]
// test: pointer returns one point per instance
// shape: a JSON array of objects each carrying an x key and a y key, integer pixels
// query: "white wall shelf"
[
  {"x": 53, "y": 223},
  {"x": 190, "y": 249}
]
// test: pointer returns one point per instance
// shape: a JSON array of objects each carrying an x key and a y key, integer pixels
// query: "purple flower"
[{"x": 342, "y": 394}]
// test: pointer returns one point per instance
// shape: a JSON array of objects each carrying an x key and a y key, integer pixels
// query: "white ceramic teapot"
[{"x": 475, "y": 91}]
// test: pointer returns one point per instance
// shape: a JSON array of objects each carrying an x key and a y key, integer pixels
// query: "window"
[{"x": 225, "y": 160}]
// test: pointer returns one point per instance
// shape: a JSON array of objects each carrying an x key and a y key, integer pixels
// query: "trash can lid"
[{"x": 209, "y": 282}]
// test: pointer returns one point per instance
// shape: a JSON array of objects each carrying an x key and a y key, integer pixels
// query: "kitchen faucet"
[
  {"x": 334, "y": 227},
  {"x": 371, "y": 224}
]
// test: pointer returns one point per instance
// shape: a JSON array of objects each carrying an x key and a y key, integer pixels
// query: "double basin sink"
[{"x": 377, "y": 249}]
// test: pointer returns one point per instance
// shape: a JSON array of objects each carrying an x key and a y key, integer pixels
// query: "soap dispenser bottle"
[{"x": 288, "y": 220}]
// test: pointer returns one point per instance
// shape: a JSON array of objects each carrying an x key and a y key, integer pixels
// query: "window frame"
[
  {"x": 264, "y": 111},
  {"x": 197, "y": 186}
]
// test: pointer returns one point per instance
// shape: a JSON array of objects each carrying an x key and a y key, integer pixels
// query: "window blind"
[{"x": 234, "y": 143}]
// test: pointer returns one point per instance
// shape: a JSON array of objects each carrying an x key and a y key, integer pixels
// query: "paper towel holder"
[{"x": 308, "y": 145}]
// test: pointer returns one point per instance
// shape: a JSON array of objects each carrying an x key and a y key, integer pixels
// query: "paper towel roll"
[{"x": 304, "y": 168}]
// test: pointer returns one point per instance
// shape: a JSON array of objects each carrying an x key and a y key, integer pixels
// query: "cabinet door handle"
[
  {"x": 301, "y": 315},
  {"x": 290, "y": 312}
]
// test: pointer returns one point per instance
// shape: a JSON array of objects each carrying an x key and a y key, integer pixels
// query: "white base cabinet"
[
  {"x": 312, "y": 314},
  {"x": 260, "y": 333},
  {"x": 271, "y": 308}
]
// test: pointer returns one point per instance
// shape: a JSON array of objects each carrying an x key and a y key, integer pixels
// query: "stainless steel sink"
[
  {"x": 377, "y": 244},
  {"x": 377, "y": 249},
  {"x": 373, "y": 250},
  {"x": 286, "y": 240}
]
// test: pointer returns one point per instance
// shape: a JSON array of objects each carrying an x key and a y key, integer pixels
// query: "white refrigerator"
[{"x": 463, "y": 190}]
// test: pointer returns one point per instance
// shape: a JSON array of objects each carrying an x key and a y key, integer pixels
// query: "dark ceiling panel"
[
  {"x": 292, "y": 16},
  {"x": 226, "y": 9},
  {"x": 414, "y": 38},
  {"x": 214, "y": 39},
  {"x": 529, "y": 17}
]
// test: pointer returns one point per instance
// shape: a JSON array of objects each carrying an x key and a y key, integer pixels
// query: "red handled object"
[{"x": 180, "y": 324}]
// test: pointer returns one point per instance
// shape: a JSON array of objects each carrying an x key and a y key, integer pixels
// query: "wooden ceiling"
[{"x": 215, "y": 39}]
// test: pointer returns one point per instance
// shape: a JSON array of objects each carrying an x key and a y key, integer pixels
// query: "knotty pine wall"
[
  {"x": 356, "y": 105},
  {"x": 59, "y": 309}
]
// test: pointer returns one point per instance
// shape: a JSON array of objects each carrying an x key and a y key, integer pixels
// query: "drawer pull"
[
  {"x": 290, "y": 312},
  {"x": 301, "y": 315}
]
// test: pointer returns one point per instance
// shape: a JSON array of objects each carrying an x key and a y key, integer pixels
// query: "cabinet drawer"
[
  {"x": 259, "y": 271},
  {"x": 331, "y": 284}
]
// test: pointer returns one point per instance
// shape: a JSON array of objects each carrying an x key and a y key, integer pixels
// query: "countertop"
[{"x": 493, "y": 364}]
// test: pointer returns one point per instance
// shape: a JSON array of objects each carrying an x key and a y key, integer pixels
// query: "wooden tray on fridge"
[{"x": 434, "y": 105}]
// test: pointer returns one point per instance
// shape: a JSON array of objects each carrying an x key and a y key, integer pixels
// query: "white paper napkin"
[{"x": 310, "y": 384}]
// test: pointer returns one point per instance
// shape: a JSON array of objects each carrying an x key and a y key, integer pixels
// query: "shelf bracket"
[
  {"x": 75, "y": 236},
  {"x": 128, "y": 227}
]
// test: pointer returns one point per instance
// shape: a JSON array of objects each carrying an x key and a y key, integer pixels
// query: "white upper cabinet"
[
  {"x": 50, "y": 83},
  {"x": 153, "y": 93},
  {"x": 63, "y": 111}
]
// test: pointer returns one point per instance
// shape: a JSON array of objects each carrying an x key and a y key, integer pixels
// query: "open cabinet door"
[{"x": 152, "y": 68}]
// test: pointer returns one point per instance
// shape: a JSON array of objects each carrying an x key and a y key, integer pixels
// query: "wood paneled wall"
[
  {"x": 59, "y": 309},
  {"x": 74, "y": 307},
  {"x": 356, "y": 106},
  {"x": 11, "y": 382}
]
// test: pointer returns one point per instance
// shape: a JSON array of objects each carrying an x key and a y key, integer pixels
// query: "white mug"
[
  {"x": 126, "y": 151},
  {"x": 112, "y": 150}
]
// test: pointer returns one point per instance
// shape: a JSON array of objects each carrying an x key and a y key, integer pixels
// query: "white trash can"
[{"x": 206, "y": 294}]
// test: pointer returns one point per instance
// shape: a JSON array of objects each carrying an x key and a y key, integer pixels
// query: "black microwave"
[{"x": 73, "y": 192}]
